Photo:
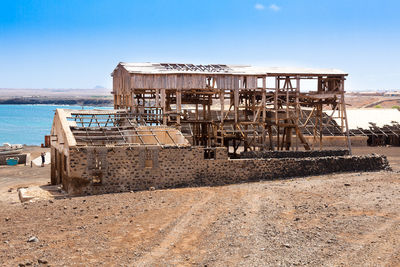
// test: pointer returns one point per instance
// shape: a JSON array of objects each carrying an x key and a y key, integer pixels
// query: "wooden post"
[
  {"x": 163, "y": 106},
  {"x": 276, "y": 110},
  {"x": 115, "y": 101},
  {"x": 345, "y": 116},
  {"x": 297, "y": 109},
  {"x": 236, "y": 104},
  {"x": 178, "y": 106},
  {"x": 264, "y": 111},
  {"x": 320, "y": 126},
  {"x": 157, "y": 93},
  {"x": 222, "y": 103}
]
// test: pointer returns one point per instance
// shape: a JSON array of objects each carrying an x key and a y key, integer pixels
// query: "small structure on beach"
[{"x": 13, "y": 155}]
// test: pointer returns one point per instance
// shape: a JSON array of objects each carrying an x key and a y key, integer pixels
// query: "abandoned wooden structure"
[
  {"x": 254, "y": 108},
  {"x": 106, "y": 151},
  {"x": 380, "y": 136}
]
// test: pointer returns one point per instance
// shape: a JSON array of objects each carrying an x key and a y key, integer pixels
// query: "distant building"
[
  {"x": 396, "y": 93},
  {"x": 367, "y": 93}
]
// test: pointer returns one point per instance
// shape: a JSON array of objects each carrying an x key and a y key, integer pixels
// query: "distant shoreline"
[{"x": 57, "y": 101}]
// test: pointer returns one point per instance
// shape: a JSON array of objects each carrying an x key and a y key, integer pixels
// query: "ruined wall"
[
  {"x": 294, "y": 154},
  {"x": 243, "y": 170},
  {"x": 116, "y": 169},
  {"x": 126, "y": 169}
]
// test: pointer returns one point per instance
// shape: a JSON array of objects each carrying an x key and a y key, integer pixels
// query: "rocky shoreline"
[{"x": 103, "y": 101}]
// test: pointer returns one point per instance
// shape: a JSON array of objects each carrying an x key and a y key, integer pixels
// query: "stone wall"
[
  {"x": 293, "y": 154},
  {"x": 96, "y": 170},
  {"x": 131, "y": 169},
  {"x": 244, "y": 170}
]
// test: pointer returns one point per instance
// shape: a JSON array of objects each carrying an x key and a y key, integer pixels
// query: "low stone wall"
[
  {"x": 22, "y": 158},
  {"x": 293, "y": 154},
  {"x": 99, "y": 170},
  {"x": 244, "y": 170}
]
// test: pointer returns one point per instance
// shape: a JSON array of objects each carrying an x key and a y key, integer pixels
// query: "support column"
[
  {"x": 345, "y": 115},
  {"x": 222, "y": 103},
  {"x": 297, "y": 110},
  {"x": 264, "y": 111},
  {"x": 157, "y": 106},
  {"x": 236, "y": 104},
  {"x": 178, "y": 106},
  {"x": 276, "y": 107},
  {"x": 163, "y": 106}
]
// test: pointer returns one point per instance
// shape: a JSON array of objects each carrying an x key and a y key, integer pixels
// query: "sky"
[{"x": 78, "y": 43}]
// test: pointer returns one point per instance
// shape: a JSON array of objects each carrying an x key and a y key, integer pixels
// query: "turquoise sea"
[{"x": 28, "y": 124}]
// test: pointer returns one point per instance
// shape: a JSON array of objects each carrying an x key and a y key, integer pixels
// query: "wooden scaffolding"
[{"x": 244, "y": 107}]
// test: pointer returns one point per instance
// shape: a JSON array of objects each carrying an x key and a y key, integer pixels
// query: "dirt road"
[{"x": 350, "y": 219}]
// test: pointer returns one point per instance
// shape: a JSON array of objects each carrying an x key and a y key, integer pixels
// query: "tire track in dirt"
[
  {"x": 251, "y": 203},
  {"x": 179, "y": 231}
]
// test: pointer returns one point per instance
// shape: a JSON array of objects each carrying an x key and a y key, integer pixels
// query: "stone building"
[
  {"x": 104, "y": 151},
  {"x": 106, "y": 148},
  {"x": 183, "y": 124}
]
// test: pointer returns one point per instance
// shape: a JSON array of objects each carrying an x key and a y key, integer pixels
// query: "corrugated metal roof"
[{"x": 172, "y": 68}]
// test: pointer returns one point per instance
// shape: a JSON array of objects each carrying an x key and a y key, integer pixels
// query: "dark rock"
[{"x": 42, "y": 261}]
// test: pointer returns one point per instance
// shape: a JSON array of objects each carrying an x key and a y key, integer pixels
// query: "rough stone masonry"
[{"x": 139, "y": 168}]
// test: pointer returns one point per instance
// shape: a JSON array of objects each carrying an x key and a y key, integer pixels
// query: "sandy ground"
[{"x": 350, "y": 219}]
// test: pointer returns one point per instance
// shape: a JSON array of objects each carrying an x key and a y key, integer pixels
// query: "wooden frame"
[{"x": 224, "y": 105}]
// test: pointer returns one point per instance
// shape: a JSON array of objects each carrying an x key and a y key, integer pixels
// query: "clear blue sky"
[{"x": 77, "y": 43}]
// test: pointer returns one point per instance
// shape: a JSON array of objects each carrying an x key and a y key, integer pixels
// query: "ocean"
[{"x": 28, "y": 124}]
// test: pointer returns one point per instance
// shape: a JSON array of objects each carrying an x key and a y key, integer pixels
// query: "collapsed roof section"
[
  {"x": 109, "y": 128},
  {"x": 179, "y": 68}
]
